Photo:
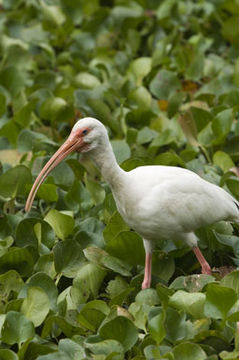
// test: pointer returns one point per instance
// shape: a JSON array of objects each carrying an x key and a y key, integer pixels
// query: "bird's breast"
[{"x": 149, "y": 222}]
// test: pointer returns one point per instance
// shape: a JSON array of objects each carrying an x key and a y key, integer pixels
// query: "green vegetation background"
[{"x": 163, "y": 76}]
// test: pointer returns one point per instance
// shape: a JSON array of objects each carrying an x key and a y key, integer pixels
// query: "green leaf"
[
  {"x": 96, "y": 190},
  {"x": 25, "y": 233},
  {"x": 120, "y": 298},
  {"x": 62, "y": 174},
  {"x": 147, "y": 296},
  {"x": 116, "y": 286},
  {"x": 45, "y": 264},
  {"x": 163, "y": 268},
  {"x": 145, "y": 135},
  {"x": 92, "y": 314},
  {"x": 100, "y": 110},
  {"x": 100, "y": 257},
  {"x": 168, "y": 158},
  {"x": 68, "y": 350},
  {"x": 5, "y": 245},
  {"x": 47, "y": 192},
  {"x": 10, "y": 131},
  {"x": 200, "y": 114},
  {"x": 62, "y": 224},
  {"x": 156, "y": 326},
  {"x": 155, "y": 352},
  {"x": 140, "y": 68},
  {"x": 229, "y": 29},
  {"x": 36, "y": 305},
  {"x": 222, "y": 123},
  {"x": 236, "y": 73},
  {"x": 68, "y": 257},
  {"x": 189, "y": 351},
  {"x": 196, "y": 66},
  {"x": 233, "y": 186},
  {"x": 78, "y": 197},
  {"x": 24, "y": 116},
  {"x": 165, "y": 9},
  {"x": 115, "y": 225},
  {"x": 71, "y": 349},
  {"x": 61, "y": 323},
  {"x": 223, "y": 160},
  {"x": 124, "y": 245},
  {"x": 192, "y": 303},
  {"x": 30, "y": 140},
  {"x": 52, "y": 14},
  {"x": 140, "y": 313},
  {"x": 232, "y": 281},
  {"x": 17, "y": 259},
  {"x": 120, "y": 329},
  {"x": 86, "y": 80},
  {"x": 94, "y": 254},
  {"x": 10, "y": 282},
  {"x": 11, "y": 156},
  {"x": 141, "y": 97},
  {"x": 191, "y": 283},
  {"x": 106, "y": 347},
  {"x": 87, "y": 283},
  {"x": 13, "y": 181},
  {"x": 44, "y": 282},
  {"x": 16, "y": 328},
  {"x": 231, "y": 241},
  {"x": 164, "y": 84},
  {"x": 6, "y": 354},
  {"x": 56, "y": 109},
  {"x": 13, "y": 79},
  {"x": 176, "y": 326},
  {"x": 121, "y": 150},
  {"x": 226, "y": 355},
  {"x": 188, "y": 125},
  {"x": 219, "y": 300},
  {"x": 2, "y": 104},
  {"x": 44, "y": 233},
  {"x": 115, "y": 264}
]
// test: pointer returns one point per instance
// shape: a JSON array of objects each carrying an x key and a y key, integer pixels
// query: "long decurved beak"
[{"x": 71, "y": 144}]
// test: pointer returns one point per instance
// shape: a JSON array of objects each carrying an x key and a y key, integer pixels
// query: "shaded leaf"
[
  {"x": 16, "y": 328},
  {"x": 125, "y": 244},
  {"x": 36, "y": 305},
  {"x": 164, "y": 83},
  {"x": 120, "y": 329},
  {"x": 62, "y": 224},
  {"x": 219, "y": 301},
  {"x": 87, "y": 283},
  {"x": 12, "y": 182},
  {"x": 189, "y": 351}
]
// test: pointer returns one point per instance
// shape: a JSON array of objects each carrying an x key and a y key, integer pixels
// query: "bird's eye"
[{"x": 84, "y": 132}]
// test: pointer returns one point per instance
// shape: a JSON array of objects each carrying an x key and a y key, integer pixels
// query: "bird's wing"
[{"x": 186, "y": 202}]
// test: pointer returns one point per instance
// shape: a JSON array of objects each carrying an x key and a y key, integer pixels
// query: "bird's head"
[{"x": 86, "y": 135}]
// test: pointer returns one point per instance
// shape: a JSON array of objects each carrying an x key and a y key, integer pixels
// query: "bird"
[{"x": 158, "y": 202}]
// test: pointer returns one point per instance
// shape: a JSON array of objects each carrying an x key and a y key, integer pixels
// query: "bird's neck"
[{"x": 104, "y": 159}]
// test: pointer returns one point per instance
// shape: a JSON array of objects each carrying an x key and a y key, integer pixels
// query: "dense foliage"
[{"x": 163, "y": 76}]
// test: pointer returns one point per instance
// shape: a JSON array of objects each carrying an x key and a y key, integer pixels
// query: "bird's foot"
[
  {"x": 206, "y": 269},
  {"x": 147, "y": 271},
  {"x": 145, "y": 284}
]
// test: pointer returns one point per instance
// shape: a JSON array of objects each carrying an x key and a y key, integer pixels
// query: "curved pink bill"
[{"x": 70, "y": 145}]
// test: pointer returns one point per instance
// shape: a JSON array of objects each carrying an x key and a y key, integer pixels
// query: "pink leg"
[
  {"x": 206, "y": 269},
  {"x": 147, "y": 271}
]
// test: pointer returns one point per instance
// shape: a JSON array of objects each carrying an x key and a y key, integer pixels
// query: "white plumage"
[
  {"x": 158, "y": 202},
  {"x": 174, "y": 201}
]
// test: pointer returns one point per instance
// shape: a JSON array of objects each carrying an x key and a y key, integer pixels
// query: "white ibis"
[{"x": 158, "y": 202}]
